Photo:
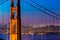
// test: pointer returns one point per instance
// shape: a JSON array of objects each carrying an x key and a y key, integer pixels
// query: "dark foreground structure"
[{"x": 1, "y": 39}]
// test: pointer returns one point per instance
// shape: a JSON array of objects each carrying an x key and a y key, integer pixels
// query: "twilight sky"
[
  {"x": 30, "y": 15},
  {"x": 4, "y": 10}
]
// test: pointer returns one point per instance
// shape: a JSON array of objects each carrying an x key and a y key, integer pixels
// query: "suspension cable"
[
  {"x": 41, "y": 10},
  {"x": 3, "y": 18},
  {"x": 2, "y": 2},
  {"x": 46, "y": 9},
  {"x": 2, "y": 14},
  {"x": 7, "y": 21}
]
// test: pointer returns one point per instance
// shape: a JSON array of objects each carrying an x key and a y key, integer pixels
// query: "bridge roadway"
[
  {"x": 40, "y": 32},
  {"x": 37, "y": 32}
]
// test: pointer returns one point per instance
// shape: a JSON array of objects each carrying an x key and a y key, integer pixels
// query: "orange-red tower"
[{"x": 15, "y": 21}]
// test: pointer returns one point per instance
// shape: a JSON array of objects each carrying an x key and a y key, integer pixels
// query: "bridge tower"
[{"x": 15, "y": 23}]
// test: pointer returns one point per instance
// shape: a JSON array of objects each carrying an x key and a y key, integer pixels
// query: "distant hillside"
[{"x": 50, "y": 28}]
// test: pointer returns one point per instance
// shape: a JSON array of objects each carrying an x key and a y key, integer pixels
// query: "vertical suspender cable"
[
  {"x": 3, "y": 19},
  {"x": 7, "y": 20},
  {"x": 1, "y": 3},
  {"x": 46, "y": 8},
  {"x": 2, "y": 14}
]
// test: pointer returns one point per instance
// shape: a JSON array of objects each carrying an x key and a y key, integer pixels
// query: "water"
[
  {"x": 34, "y": 37},
  {"x": 4, "y": 36},
  {"x": 41, "y": 37}
]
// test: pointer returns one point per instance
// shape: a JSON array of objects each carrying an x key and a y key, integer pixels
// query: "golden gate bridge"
[
  {"x": 15, "y": 34},
  {"x": 14, "y": 22}
]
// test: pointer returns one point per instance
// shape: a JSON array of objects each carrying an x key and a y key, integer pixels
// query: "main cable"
[
  {"x": 2, "y": 2},
  {"x": 41, "y": 10},
  {"x": 46, "y": 9}
]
